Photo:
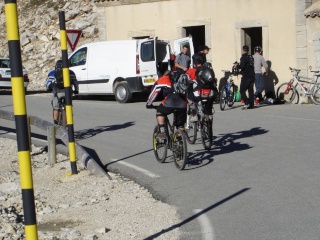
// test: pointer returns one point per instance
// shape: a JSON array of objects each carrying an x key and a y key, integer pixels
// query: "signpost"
[{"x": 73, "y": 38}]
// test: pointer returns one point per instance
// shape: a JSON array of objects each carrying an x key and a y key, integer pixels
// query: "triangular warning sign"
[{"x": 73, "y": 38}]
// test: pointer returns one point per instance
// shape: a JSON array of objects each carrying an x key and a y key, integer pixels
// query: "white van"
[{"x": 123, "y": 67}]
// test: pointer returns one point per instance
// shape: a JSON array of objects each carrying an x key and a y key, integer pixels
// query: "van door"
[
  {"x": 79, "y": 64},
  {"x": 146, "y": 61},
  {"x": 179, "y": 43}
]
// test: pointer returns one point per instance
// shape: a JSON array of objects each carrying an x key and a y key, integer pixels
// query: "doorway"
[
  {"x": 252, "y": 37},
  {"x": 198, "y": 35}
]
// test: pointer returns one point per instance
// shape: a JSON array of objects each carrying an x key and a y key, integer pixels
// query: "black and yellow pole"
[
  {"x": 20, "y": 113},
  {"x": 68, "y": 91}
]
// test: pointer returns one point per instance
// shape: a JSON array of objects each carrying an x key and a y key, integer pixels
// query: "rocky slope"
[
  {"x": 40, "y": 33},
  {"x": 79, "y": 207}
]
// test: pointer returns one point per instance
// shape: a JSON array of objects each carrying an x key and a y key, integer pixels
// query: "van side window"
[
  {"x": 79, "y": 58},
  {"x": 147, "y": 51}
]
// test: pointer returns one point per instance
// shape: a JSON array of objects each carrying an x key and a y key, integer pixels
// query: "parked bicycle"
[
  {"x": 228, "y": 92},
  {"x": 309, "y": 87},
  {"x": 203, "y": 124},
  {"x": 175, "y": 141}
]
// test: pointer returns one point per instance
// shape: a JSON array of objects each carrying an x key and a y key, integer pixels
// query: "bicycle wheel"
[
  {"x": 286, "y": 92},
  {"x": 191, "y": 132},
  {"x": 180, "y": 152},
  {"x": 231, "y": 96},
  {"x": 159, "y": 148},
  {"x": 206, "y": 133},
  {"x": 223, "y": 100},
  {"x": 315, "y": 97}
]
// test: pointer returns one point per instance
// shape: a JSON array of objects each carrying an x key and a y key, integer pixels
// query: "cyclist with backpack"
[
  {"x": 247, "y": 81},
  {"x": 54, "y": 83},
  {"x": 174, "y": 89}
]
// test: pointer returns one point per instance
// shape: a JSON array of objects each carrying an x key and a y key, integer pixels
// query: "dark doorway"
[
  {"x": 198, "y": 34},
  {"x": 140, "y": 37},
  {"x": 252, "y": 37}
]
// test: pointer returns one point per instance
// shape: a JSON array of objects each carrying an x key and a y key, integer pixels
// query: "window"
[
  {"x": 147, "y": 51},
  {"x": 79, "y": 58}
]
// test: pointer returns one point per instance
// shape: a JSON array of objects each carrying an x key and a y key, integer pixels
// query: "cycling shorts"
[{"x": 181, "y": 114}]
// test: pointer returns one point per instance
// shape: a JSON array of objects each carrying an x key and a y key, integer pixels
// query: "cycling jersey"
[{"x": 171, "y": 98}]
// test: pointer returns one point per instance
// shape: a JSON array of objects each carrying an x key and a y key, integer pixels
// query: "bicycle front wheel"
[
  {"x": 223, "y": 99},
  {"x": 159, "y": 148},
  {"x": 231, "y": 96},
  {"x": 286, "y": 92},
  {"x": 180, "y": 152},
  {"x": 315, "y": 97},
  {"x": 191, "y": 132},
  {"x": 206, "y": 133}
]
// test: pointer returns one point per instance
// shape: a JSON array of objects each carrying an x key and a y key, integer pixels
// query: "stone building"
[{"x": 287, "y": 30}]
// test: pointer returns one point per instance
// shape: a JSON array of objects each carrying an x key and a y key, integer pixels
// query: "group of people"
[
  {"x": 199, "y": 83},
  {"x": 184, "y": 88}
]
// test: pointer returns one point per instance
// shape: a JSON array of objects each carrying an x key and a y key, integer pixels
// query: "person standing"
[
  {"x": 182, "y": 61},
  {"x": 259, "y": 62},
  {"x": 247, "y": 81},
  {"x": 202, "y": 51}
]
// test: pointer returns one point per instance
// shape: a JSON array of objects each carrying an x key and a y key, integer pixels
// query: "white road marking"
[
  {"x": 206, "y": 226},
  {"x": 304, "y": 119},
  {"x": 139, "y": 169}
]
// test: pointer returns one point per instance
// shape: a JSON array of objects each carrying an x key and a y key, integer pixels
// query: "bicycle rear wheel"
[
  {"x": 315, "y": 97},
  {"x": 206, "y": 133},
  {"x": 180, "y": 152},
  {"x": 231, "y": 96},
  {"x": 223, "y": 100},
  {"x": 159, "y": 148},
  {"x": 191, "y": 132},
  {"x": 286, "y": 92}
]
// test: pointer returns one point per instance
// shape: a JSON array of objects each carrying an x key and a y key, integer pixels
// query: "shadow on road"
[
  {"x": 88, "y": 133},
  {"x": 222, "y": 144},
  {"x": 197, "y": 214}
]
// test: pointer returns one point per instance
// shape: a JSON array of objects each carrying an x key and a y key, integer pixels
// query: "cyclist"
[
  {"x": 203, "y": 87},
  {"x": 174, "y": 89},
  {"x": 57, "y": 88}
]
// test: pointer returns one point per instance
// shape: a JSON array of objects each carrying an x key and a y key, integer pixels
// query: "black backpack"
[
  {"x": 58, "y": 76},
  {"x": 251, "y": 60}
]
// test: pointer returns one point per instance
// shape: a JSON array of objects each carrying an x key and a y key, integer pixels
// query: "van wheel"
[{"x": 122, "y": 92}]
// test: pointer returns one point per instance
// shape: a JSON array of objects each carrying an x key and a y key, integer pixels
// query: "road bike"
[
  {"x": 228, "y": 92},
  {"x": 309, "y": 87},
  {"x": 175, "y": 141},
  {"x": 202, "y": 124}
]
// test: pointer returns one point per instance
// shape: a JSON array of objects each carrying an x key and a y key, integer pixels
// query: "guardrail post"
[{"x": 52, "y": 157}]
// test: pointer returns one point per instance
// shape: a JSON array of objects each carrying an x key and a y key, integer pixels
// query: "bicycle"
[
  {"x": 175, "y": 141},
  {"x": 227, "y": 93},
  {"x": 62, "y": 121},
  {"x": 204, "y": 124},
  {"x": 288, "y": 91}
]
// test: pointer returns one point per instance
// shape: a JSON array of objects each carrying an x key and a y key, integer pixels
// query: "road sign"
[{"x": 73, "y": 38}]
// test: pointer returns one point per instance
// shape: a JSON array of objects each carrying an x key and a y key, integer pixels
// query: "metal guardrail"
[{"x": 62, "y": 134}]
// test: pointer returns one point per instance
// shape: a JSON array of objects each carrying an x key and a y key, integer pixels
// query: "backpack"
[
  {"x": 59, "y": 78},
  {"x": 251, "y": 61}
]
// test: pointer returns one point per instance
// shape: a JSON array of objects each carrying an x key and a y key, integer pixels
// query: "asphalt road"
[{"x": 260, "y": 181}]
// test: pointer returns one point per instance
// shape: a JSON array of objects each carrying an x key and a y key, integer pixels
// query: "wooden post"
[{"x": 52, "y": 158}]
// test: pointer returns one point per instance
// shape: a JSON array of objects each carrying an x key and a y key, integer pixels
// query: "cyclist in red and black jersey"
[{"x": 174, "y": 89}]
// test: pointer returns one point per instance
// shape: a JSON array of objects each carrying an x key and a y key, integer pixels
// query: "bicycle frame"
[{"x": 312, "y": 82}]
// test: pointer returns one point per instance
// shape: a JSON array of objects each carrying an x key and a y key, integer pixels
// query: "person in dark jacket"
[{"x": 246, "y": 68}]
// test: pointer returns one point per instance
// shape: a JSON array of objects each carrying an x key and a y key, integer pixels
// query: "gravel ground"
[{"x": 80, "y": 206}]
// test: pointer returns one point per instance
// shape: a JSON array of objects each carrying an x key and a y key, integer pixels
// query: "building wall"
[{"x": 223, "y": 20}]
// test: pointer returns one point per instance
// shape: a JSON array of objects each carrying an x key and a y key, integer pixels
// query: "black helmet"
[
  {"x": 181, "y": 84},
  {"x": 257, "y": 49},
  {"x": 206, "y": 76},
  {"x": 173, "y": 75},
  {"x": 58, "y": 64}
]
